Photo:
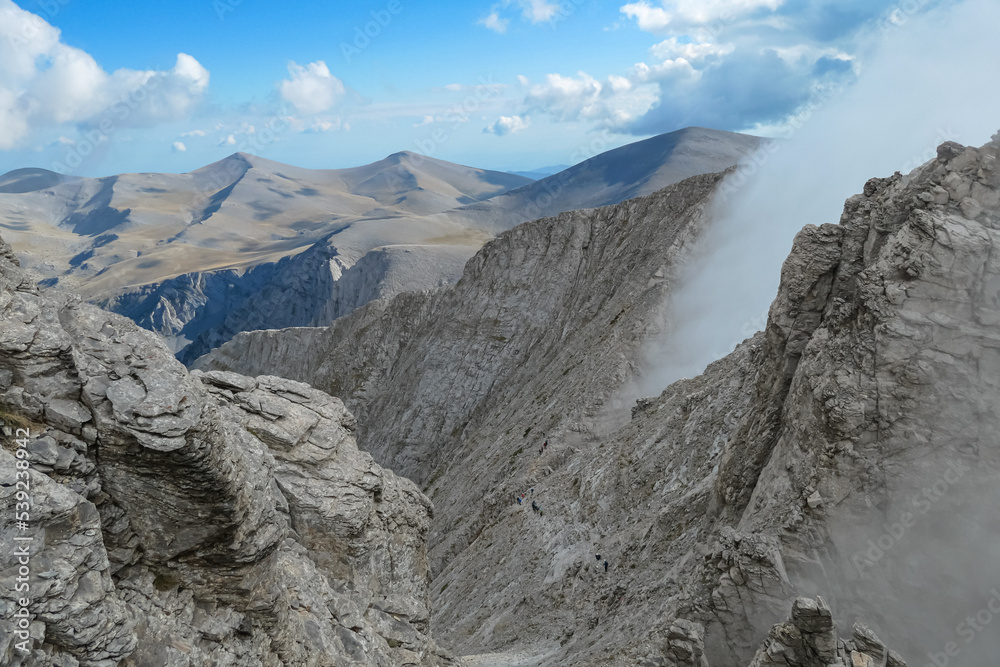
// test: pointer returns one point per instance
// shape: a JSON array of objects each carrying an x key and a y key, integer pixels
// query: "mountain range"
[
  {"x": 463, "y": 476},
  {"x": 846, "y": 451},
  {"x": 247, "y": 243}
]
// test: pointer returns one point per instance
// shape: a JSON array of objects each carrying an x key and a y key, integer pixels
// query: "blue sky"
[{"x": 101, "y": 88}]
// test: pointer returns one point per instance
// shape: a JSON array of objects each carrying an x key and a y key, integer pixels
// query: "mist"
[{"x": 929, "y": 77}]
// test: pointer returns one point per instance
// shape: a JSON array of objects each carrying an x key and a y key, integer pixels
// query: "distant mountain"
[
  {"x": 100, "y": 234},
  {"x": 248, "y": 243},
  {"x": 30, "y": 179},
  {"x": 636, "y": 169},
  {"x": 541, "y": 172}
]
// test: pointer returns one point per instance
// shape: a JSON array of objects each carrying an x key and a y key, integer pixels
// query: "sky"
[{"x": 94, "y": 89}]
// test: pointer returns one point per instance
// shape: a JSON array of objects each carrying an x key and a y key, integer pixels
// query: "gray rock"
[
  {"x": 872, "y": 385},
  {"x": 202, "y": 545}
]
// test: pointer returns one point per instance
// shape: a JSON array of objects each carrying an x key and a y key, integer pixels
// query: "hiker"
[
  {"x": 532, "y": 490},
  {"x": 534, "y": 507},
  {"x": 605, "y": 566},
  {"x": 545, "y": 444},
  {"x": 519, "y": 500}
]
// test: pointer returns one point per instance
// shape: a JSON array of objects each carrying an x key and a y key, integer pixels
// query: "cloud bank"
[{"x": 908, "y": 100}]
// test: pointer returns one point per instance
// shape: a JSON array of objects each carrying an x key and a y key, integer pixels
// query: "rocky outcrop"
[
  {"x": 809, "y": 639},
  {"x": 181, "y": 519},
  {"x": 849, "y": 450}
]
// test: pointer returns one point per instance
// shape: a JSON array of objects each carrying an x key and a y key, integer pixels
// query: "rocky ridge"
[
  {"x": 247, "y": 243},
  {"x": 192, "y": 519},
  {"x": 849, "y": 450}
]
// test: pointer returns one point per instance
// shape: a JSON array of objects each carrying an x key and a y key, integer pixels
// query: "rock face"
[
  {"x": 511, "y": 347},
  {"x": 317, "y": 287},
  {"x": 809, "y": 639},
  {"x": 849, "y": 450},
  {"x": 206, "y": 519}
]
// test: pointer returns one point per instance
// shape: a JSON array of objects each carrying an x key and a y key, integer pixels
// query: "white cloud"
[
  {"x": 507, "y": 125},
  {"x": 647, "y": 17},
  {"x": 610, "y": 103},
  {"x": 194, "y": 133},
  {"x": 495, "y": 23},
  {"x": 538, "y": 11},
  {"x": 671, "y": 49},
  {"x": 179, "y": 147},
  {"x": 311, "y": 89},
  {"x": 325, "y": 125},
  {"x": 532, "y": 11},
  {"x": 228, "y": 141},
  {"x": 44, "y": 82},
  {"x": 691, "y": 12}
]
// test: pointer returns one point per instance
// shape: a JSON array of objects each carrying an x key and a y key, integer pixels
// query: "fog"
[{"x": 928, "y": 78}]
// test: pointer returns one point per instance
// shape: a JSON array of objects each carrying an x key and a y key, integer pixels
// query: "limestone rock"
[
  {"x": 872, "y": 390},
  {"x": 809, "y": 639},
  {"x": 178, "y": 520}
]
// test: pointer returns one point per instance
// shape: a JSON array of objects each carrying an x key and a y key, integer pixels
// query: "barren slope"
[{"x": 849, "y": 450}]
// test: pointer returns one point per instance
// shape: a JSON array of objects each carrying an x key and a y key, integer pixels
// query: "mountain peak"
[{"x": 30, "y": 179}]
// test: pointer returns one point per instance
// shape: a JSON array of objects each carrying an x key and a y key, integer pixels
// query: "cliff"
[{"x": 849, "y": 450}]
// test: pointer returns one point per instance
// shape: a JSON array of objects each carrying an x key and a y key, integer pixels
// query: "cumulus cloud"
[
  {"x": 228, "y": 140},
  {"x": 311, "y": 89},
  {"x": 44, "y": 83},
  {"x": 610, "y": 103},
  {"x": 727, "y": 64},
  {"x": 179, "y": 147},
  {"x": 647, "y": 17},
  {"x": 532, "y": 11},
  {"x": 506, "y": 125},
  {"x": 749, "y": 87},
  {"x": 194, "y": 133}
]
